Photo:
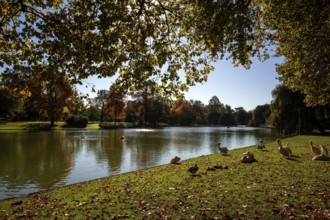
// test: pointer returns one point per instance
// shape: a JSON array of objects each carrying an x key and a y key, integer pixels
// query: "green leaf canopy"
[{"x": 169, "y": 45}]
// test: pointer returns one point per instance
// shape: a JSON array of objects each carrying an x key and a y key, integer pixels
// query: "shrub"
[
  {"x": 77, "y": 121},
  {"x": 39, "y": 127}
]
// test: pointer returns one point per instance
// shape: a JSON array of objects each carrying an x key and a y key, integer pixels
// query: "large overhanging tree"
[
  {"x": 301, "y": 30},
  {"x": 146, "y": 42},
  {"x": 164, "y": 45}
]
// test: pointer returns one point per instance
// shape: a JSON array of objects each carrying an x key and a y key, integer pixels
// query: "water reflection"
[{"x": 31, "y": 162}]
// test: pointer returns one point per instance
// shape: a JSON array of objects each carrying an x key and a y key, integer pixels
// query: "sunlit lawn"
[
  {"x": 11, "y": 126},
  {"x": 272, "y": 188}
]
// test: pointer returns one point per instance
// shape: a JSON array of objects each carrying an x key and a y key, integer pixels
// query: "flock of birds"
[
  {"x": 320, "y": 154},
  {"x": 193, "y": 170}
]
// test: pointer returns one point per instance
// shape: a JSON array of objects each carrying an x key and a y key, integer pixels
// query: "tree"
[
  {"x": 80, "y": 107},
  {"x": 215, "y": 110},
  {"x": 115, "y": 103},
  {"x": 260, "y": 115},
  {"x": 227, "y": 118},
  {"x": 11, "y": 102},
  {"x": 51, "y": 93},
  {"x": 183, "y": 113},
  {"x": 199, "y": 110},
  {"x": 142, "y": 105},
  {"x": 48, "y": 91},
  {"x": 149, "y": 42},
  {"x": 241, "y": 116},
  {"x": 130, "y": 112},
  {"x": 101, "y": 101},
  {"x": 158, "y": 110},
  {"x": 231, "y": 28},
  {"x": 93, "y": 112},
  {"x": 300, "y": 29},
  {"x": 145, "y": 42},
  {"x": 290, "y": 115}
]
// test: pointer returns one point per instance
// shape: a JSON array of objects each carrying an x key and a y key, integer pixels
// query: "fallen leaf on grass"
[{"x": 82, "y": 203}]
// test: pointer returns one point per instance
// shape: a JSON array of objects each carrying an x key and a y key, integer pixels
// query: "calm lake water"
[{"x": 34, "y": 161}]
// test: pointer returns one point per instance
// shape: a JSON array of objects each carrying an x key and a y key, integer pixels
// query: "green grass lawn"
[
  {"x": 12, "y": 126},
  {"x": 272, "y": 188}
]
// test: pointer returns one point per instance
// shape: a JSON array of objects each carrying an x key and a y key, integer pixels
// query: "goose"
[
  {"x": 324, "y": 150},
  {"x": 175, "y": 160},
  {"x": 223, "y": 150},
  {"x": 321, "y": 157},
  {"x": 193, "y": 170},
  {"x": 286, "y": 146},
  {"x": 261, "y": 145},
  {"x": 314, "y": 149},
  {"x": 283, "y": 151},
  {"x": 248, "y": 158}
]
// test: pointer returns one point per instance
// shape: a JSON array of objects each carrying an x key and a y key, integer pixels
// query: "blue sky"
[
  {"x": 234, "y": 86},
  {"x": 237, "y": 86}
]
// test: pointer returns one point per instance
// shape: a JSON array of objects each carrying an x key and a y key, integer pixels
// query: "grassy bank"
[
  {"x": 38, "y": 125},
  {"x": 272, "y": 188}
]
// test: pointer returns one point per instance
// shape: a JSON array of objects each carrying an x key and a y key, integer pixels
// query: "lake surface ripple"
[{"x": 34, "y": 161}]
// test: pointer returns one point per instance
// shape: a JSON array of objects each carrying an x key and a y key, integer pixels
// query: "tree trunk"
[{"x": 52, "y": 122}]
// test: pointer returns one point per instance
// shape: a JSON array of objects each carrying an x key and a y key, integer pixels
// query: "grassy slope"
[{"x": 272, "y": 188}]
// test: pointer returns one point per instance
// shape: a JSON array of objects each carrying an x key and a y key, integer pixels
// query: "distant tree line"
[
  {"x": 146, "y": 109},
  {"x": 57, "y": 100}
]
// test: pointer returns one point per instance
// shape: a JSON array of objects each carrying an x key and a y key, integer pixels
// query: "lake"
[{"x": 34, "y": 161}]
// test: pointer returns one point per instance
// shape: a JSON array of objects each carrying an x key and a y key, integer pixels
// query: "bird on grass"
[
  {"x": 223, "y": 150},
  {"x": 261, "y": 145},
  {"x": 248, "y": 158},
  {"x": 175, "y": 160},
  {"x": 193, "y": 170},
  {"x": 286, "y": 146},
  {"x": 210, "y": 169},
  {"x": 321, "y": 157},
  {"x": 324, "y": 150},
  {"x": 283, "y": 151},
  {"x": 314, "y": 149},
  {"x": 217, "y": 167}
]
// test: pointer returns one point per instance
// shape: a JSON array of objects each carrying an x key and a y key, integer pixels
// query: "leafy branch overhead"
[{"x": 164, "y": 45}]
